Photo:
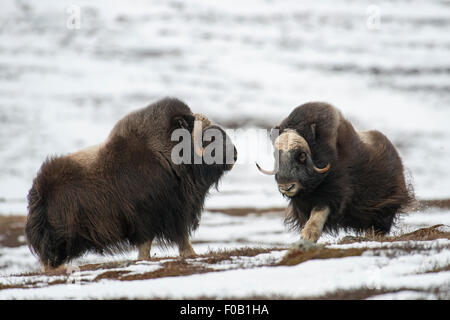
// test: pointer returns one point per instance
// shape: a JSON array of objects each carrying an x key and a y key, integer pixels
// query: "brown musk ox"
[
  {"x": 336, "y": 177},
  {"x": 126, "y": 191}
]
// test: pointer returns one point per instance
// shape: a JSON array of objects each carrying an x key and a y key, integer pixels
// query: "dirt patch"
[
  {"x": 439, "y": 269},
  {"x": 442, "y": 204},
  {"x": 408, "y": 244},
  {"x": 183, "y": 267},
  {"x": 222, "y": 255},
  {"x": 173, "y": 268},
  {"x": 116, "y": 274},
  {"x": 295, "y": 257},
  {"x": 423, "y": 234},
  {"x": 248, "y": 210},
  {"x": 351, "y": 294},
  {"x": 243, "y": 211},
  {"x": 12, "y": 231}
]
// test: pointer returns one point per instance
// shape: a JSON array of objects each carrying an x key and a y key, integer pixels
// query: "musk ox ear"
[{"x": 183, "y": 122}]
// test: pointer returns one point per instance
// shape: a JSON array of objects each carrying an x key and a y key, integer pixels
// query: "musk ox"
[
  {"x": 336, "y": 177},
  {"x": 126, "y": 191}
]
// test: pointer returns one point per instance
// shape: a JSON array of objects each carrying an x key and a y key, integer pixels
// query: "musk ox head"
[
  {"x": 302, "y": 143},
  {"x": 295, "y": 170},
  {"x": 180, "y": 136},
  {"x": 202, "y": 144}
]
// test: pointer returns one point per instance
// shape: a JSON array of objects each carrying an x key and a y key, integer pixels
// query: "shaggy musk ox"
[
  {"x": 336, "y": 177},
  {"x": 126, "y": 191}
]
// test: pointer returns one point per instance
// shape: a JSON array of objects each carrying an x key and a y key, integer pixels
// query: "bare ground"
[
  {"x": 421, "y": 205},
  {"x": 12, "y": 235}
]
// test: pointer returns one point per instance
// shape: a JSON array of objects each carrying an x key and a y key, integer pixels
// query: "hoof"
[{"x": 304, "y": 245}]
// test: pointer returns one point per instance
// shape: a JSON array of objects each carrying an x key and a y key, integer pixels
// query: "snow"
[
  {"x": 384, "y": 265},
  {"x": 62, "y": 90},
  {"x": 309, "y": 279}
]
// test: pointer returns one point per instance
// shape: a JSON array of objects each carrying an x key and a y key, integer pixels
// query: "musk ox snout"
[
  {"x": 289, "y": 189},
  {"x": 293, "y": 158}
]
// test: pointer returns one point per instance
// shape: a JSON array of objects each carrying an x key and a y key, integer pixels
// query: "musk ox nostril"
[
  {"x": 288, "y": 188},
  {"x": 285, "y": 187}
]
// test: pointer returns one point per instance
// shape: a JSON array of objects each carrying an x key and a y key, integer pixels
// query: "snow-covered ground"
[
  {"x": 309, "y": 279},
  {"x": 385, "y": 64},
  {"x": 389, "y": 266}
]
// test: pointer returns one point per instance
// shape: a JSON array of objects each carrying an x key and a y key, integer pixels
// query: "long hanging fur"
[
  {"x": 365, "y": 187},
  {"x": 121, "y": 193}
]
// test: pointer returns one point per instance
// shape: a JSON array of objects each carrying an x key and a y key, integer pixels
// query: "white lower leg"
[
  {"x": 314, "y": 226},
  {"x": 185, "y": 248},
  {"x": 144, "y": 250}
]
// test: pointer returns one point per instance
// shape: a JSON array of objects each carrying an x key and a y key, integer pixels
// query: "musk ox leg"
[
  {"x": 314, "y": 226},
  {"x": 185, "y": 248},
  {"x": 47, "y": 268},
  {"x": 144, "y": 250}
]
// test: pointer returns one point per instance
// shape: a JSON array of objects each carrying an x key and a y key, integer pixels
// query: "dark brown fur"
[
  {"x": 130, "y": 192},
  {"x": 365, "y": 187}
]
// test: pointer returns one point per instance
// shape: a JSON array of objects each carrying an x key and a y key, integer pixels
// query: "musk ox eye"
[{"x": 302, "y": 157}]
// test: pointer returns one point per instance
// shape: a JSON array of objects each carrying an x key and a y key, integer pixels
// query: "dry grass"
[
  {"x": 173, "y": 268},
  {"x": 183, "y": 267},
  {"x": 295, "y": 257},
  {"x": 243, "y": 211},
  {"x": 217, "y": 256},
  {"x": 442, "y": 204},
  {"x": 349, "y": 294},
  {"x": 423, "y": 234},
  {"x": 12, "y": 232},
  {"x": 248, "y": 210},
  {"x": 12, "y": 228}
]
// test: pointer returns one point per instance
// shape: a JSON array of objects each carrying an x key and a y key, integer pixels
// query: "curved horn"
[
  {"x": 200, "y": 122},
  {"x": 323, "y": 170},
  {"x": 270, "y": 173}
]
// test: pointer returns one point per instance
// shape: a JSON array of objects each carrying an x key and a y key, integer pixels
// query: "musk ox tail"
[
  {"x": 43, "y": 240},
  {"x": 39, "y": 232}
]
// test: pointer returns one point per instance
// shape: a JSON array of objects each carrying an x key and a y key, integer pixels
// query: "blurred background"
[{"x": 69, "y": 70}]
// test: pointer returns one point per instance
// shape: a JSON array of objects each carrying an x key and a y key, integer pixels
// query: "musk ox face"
[
  {"x": 218, "y": 151},
  {"x": 295, "y": 171},
  {"x": 203, "y": 144}
]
